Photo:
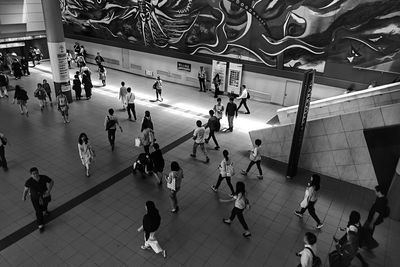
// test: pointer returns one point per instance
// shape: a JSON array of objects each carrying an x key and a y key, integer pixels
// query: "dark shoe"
[
  {"x": 193, "y": 155},
  {"x": 298, "y": 213},
  {"x": 247, "y": 113},
  {"x": 207, "y": 160},
  {"x": 217, "y": 148}
]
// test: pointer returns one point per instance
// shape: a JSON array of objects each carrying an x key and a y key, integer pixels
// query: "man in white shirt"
[
  {"x": 310, "y": 249},
  {"x": 199, "y": 137},
  {"x": 243, "y": 99},
  {"x": 122, "y": 95},
  {"x": 202, "y": 79},
  {"x": 130, "y": 100}
]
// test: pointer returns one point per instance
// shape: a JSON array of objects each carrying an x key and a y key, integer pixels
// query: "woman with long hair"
[
  {"x": 174, "y": 180},
  {"x": 147, "y": 131},
  {"x": 86, "y": 152},
  {"x": 151, "y": 223},
  {"x": 310, "y": 198},
  {"x": 241, "y": 203},
  {"x": 225, "y": 172},
  {"x": 217, "y": 83}
]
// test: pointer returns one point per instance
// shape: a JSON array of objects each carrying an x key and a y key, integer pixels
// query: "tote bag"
[{"x": 138, "y": 142}]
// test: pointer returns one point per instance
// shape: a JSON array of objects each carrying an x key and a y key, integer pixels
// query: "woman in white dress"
[{"x": 86, "y": 152}]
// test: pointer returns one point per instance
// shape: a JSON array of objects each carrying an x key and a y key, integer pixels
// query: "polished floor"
[{"x": 94, "y": 220}]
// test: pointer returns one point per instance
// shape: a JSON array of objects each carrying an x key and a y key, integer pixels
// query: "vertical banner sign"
[
  {"x": 301, "y": 121},
  {"x": 235, "y": 78},
  {"x": 60, "y": 69},
  {"x": 220, "y": 68}
]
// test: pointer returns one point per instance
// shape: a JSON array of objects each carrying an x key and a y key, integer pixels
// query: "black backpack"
[
  {"x": 110, "y": 123},
  {"x": 316, "y": 261}
]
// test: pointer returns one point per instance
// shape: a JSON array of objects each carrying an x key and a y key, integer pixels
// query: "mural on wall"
[{"x": 308, "y": 32}]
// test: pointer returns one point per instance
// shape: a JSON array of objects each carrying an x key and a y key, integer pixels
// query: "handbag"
[
  {"x": 138, "y": 142},
  {"x": 171, "y": 185},
  {"x": 304, "y": 202},
  {"x": 230, "y": 171}
]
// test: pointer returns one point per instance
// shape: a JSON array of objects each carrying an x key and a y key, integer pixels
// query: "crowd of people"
[{"x": 151, "y": 163}]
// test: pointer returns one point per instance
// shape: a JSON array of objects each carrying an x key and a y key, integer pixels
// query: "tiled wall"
[{"x": 333, "y": 146}]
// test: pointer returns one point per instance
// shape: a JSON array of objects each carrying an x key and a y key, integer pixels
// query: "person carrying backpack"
[
  {"x": 40, "y": 94},
  {"x": 111, "y": 123},
  {"x": 308, "y": 256}
]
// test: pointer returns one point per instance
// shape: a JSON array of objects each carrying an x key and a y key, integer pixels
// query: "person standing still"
[
  {"x": 47, "y": 88},
  {"x": 231, "y": 112},
  {"x": 255, "y": 158},
  {"x": 198, "y": 137},
  {"x": 130, "y": 100},
  {"x": 202, "y": 79},
  {"x": 158, "y": 87},
  {"x": 122, "y": 95},
  {"x": 243, "y": 99},
  {"x": 310, "y": 198},
  {"x": 212, "y": 124},
  {"x": 3, "y": 143},
  {"x": 174, "y": 180},
  {"x": 111, "y": 123},
  {"x": 37, "y": 188}
]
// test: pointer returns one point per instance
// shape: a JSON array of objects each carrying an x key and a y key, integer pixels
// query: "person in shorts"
[{"x": 62, "y": 106}]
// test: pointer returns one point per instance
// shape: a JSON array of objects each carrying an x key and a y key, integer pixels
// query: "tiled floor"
[{"x": 101, "y": 231}]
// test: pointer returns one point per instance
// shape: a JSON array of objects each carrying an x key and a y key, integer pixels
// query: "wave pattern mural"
[{"x": 363, "y": 33}]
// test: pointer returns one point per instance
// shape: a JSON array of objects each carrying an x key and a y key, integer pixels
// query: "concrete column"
[{"x": 57, "y": 48}]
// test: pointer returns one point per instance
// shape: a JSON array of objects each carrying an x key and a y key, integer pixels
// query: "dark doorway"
[{"x": 384, "y": 148}]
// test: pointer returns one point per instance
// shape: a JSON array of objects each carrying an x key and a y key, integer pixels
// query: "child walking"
[
  {"x": 255, "y": 158},
  {"x": 241, "y": 203}
]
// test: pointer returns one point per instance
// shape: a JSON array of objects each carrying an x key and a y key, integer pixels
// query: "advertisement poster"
[
  {"x": 184, "y": 66},
  {"x": 60, "y": 65},
  {"x": 235, "y": 78},
  {"x": 220, "y": 68}
]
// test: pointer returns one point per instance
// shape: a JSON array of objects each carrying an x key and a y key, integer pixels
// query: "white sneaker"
[
  {"x": 319, "y": 226},
  {"x": 214, "y": 189},
  {"x": 164, "y": 253}
]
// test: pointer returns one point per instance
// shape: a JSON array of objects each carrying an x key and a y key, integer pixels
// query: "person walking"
[
  {"x": 217, "y": 83},
  {"x": 353, "y": 225},
  {"x": 213, "y": 125},
  {"x": 17, "y": 69},
  {"x": 226, "y": 172},
  {"x": 102, "y": 74},
  {"x": 130, "y": 100},
  {"x": 111, "y": 123},
  {"x": 87, "y": 83},
  {"x": 150, "y": 224},
  {"x": 25, "y": 66},
  {"x": 3, "y": 160},
  {"x": 62, "y": 106},
  {"x": 47, "y": 88},
  {"x": 158, "y": 87},
  {"x": 147, "y": 121},
  {"x": 77, "y": 87},
  {"x": 22, "y": 97},
  {"x": 198, "y": 137},
  {"x": 310, "y": 198},
  {"x": 218, "y": 109},
  {"x": 308, "y": 256},
  {"x": 255, "y": 158},
  {"x": 158, "y": 163},
  {"x": 39, "y": 188},
  {"x": 80, "y": 62},
  {"x": 4, "y": 83},
  {"x": 174, "y": 180},
  {"x": 378, "y": 211},
  {"x": 40, "y": 94},
  {"x": 231, "y": 112},
  {"x": 243, "y": 99},
  {"x": 99, "y": 60},
  {"x": 86, "y": 152},
  {"x": 122, "y": 95},
  {"x": 241, "y": 203},
  {"x": 202, "y": 79}
]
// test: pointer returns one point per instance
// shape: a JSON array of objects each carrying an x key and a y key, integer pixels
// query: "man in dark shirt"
[
  {"x": 25, "y": 66},
  {"x": 36, "y": 185},
  {"x": 213, "y": 125},
  {"x": 231, "y": 111},
  {"x": 379, "y": 209},
  {"x": 99, "y": 59}
]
